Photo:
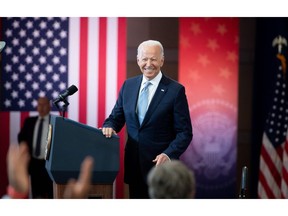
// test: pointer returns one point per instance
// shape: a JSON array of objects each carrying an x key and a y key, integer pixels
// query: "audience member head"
[
  {"x": 171, "y": 180},
  {"x": 43, "y": 106}
]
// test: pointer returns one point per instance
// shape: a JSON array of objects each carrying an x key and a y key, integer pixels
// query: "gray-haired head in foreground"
[{"x": 171, "y": 180}]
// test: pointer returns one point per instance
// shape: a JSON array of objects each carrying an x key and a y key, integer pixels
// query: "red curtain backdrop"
[{"x": 208, "y": 68}]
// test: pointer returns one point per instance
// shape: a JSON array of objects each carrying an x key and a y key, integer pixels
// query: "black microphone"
[
  {"x": 243, "y": 188},
  {"x": 70, "y": 91}
]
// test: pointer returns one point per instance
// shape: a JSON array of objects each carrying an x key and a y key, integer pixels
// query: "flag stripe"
[
  {"x": 73, "y": 65},
  {"x": 111, "y": 65},
  {"x": 102, "y": 69},
  {"x": 93, "y": 62},
  {"x": 121, "y": 68},
  {"x": 83, "y": 70}
]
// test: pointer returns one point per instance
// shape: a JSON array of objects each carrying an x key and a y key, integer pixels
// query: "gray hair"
[
  {"x": 150, "y": 43},
  {"x": 171, "y": 180}
]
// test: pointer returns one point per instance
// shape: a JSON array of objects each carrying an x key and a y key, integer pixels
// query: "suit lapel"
[{"x": 134, "y": 95}]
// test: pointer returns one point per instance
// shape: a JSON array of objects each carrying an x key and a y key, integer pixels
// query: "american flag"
[
  {"x": 273, "y": 178},
  {"x": 44, "y": 56}
]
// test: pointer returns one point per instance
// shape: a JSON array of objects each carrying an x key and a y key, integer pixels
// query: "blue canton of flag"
[{"x": 34, "y": 61}]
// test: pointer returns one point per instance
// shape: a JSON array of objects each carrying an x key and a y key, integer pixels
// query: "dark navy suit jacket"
[
  {"x": 166, "y": 127},
  {"x": 42, "y": 185}
]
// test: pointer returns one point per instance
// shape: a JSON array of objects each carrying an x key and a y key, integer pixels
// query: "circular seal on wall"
[{"x": 212, "y": 152}]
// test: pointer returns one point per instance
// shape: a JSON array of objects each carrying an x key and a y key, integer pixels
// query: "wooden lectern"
[{"x": 68, "y": 143}]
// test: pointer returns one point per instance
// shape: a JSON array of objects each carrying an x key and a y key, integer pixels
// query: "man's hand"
[
  {"x": 161, "y": 158},
  {"x": 107, "y": 131}
]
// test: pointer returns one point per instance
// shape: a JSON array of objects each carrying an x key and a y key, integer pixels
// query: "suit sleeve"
[{"x": 182, "y": 126}]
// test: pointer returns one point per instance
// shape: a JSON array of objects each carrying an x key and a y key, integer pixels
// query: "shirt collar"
[{"x": 154, "y": 81}]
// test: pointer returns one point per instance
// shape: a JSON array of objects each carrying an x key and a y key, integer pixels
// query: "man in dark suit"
[
  {"x": 41, "y": 184},
  {"x": 166, "y": 129}
]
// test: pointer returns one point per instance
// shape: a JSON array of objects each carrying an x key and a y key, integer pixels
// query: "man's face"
[
  {"x": 43, "y": 106},
  {"x": 150, "y": 61}
]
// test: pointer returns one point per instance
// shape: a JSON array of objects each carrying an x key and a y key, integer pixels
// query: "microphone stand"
[
  {"x": 63, "y": 109},
  {"x": 243, "y": 187}
]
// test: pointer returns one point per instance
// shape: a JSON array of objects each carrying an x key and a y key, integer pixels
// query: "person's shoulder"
[
  {"x": 168, "y": 80},
  {"x": 31, "y": 118},
  {"x": 131, "y": 79}
]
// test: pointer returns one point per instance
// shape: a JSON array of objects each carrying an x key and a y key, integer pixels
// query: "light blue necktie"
[{"x": 143, "y": 102}]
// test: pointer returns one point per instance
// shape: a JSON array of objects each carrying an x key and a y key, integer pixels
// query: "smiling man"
[{"x": 155, "y": 111}]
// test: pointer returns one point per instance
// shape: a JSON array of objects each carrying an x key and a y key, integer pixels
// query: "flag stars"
[
  {"x": 15, "y": 41},
  {"x": 22, "y": 68},
  {"x": 31, "y": 67},
  {"x": 42, "y": 42},
  {"x": 56, "y": 42},
  {"x": 62, "y": 86},
  {"x": 15, "y": 24},
  {"x": 35, "y": 85},
  {"x": 49, "y": 34},
  {"x": 28, "y": 77},
  {"x": 62, "y": 69},
  {"x": 8, "y": 68},
  {"x": 21, "y": 85},
  {"x": 56, "y": 25},
  {"x": 22, "y": 33},
  {"x": 35, "y": 68},
  {"x": 8, "y": 33},
  {"x": 41, "y": 94},
  {"x": 34, "y": 103},
  {"x": 55, "y": 60},
  {"x": 36, "y": 33},
  {"x": 63, "y": 51},
  {"x": 29, "y": 42},
  {"x": 8, "y": 85},
  {"x": 55, "y": 94},
  {"x": 29, "y": 24},
  {"x": 15, "y": 59},
  {"x": 14, "y": 94},
  {"x": 7, "y": 103},
  {"x": 63, "y": 34},
  {"x": 49, "y": 51},
  {"x": 49, "y": 68},
  {"x": 42, "y": 77},
  {"x": 48, "y": 86},
  {"x": 22, "y": 50},
  {"x": 42, "y": 59},
  {"x": 55, "y": 77},
  {"x": 43, "y": 25},
  {"x": 28, "y": 94},
  {"x": 21, "y": 103},
  {"x": 36, "y": 51},
  {"x": 8, "y": 50},
  {"x": 28, "y": 59},
  {"x": 15, "y": 77}
]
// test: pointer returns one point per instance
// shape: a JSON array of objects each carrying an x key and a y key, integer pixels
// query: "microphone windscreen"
[{"x": 72, "y": 89}]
